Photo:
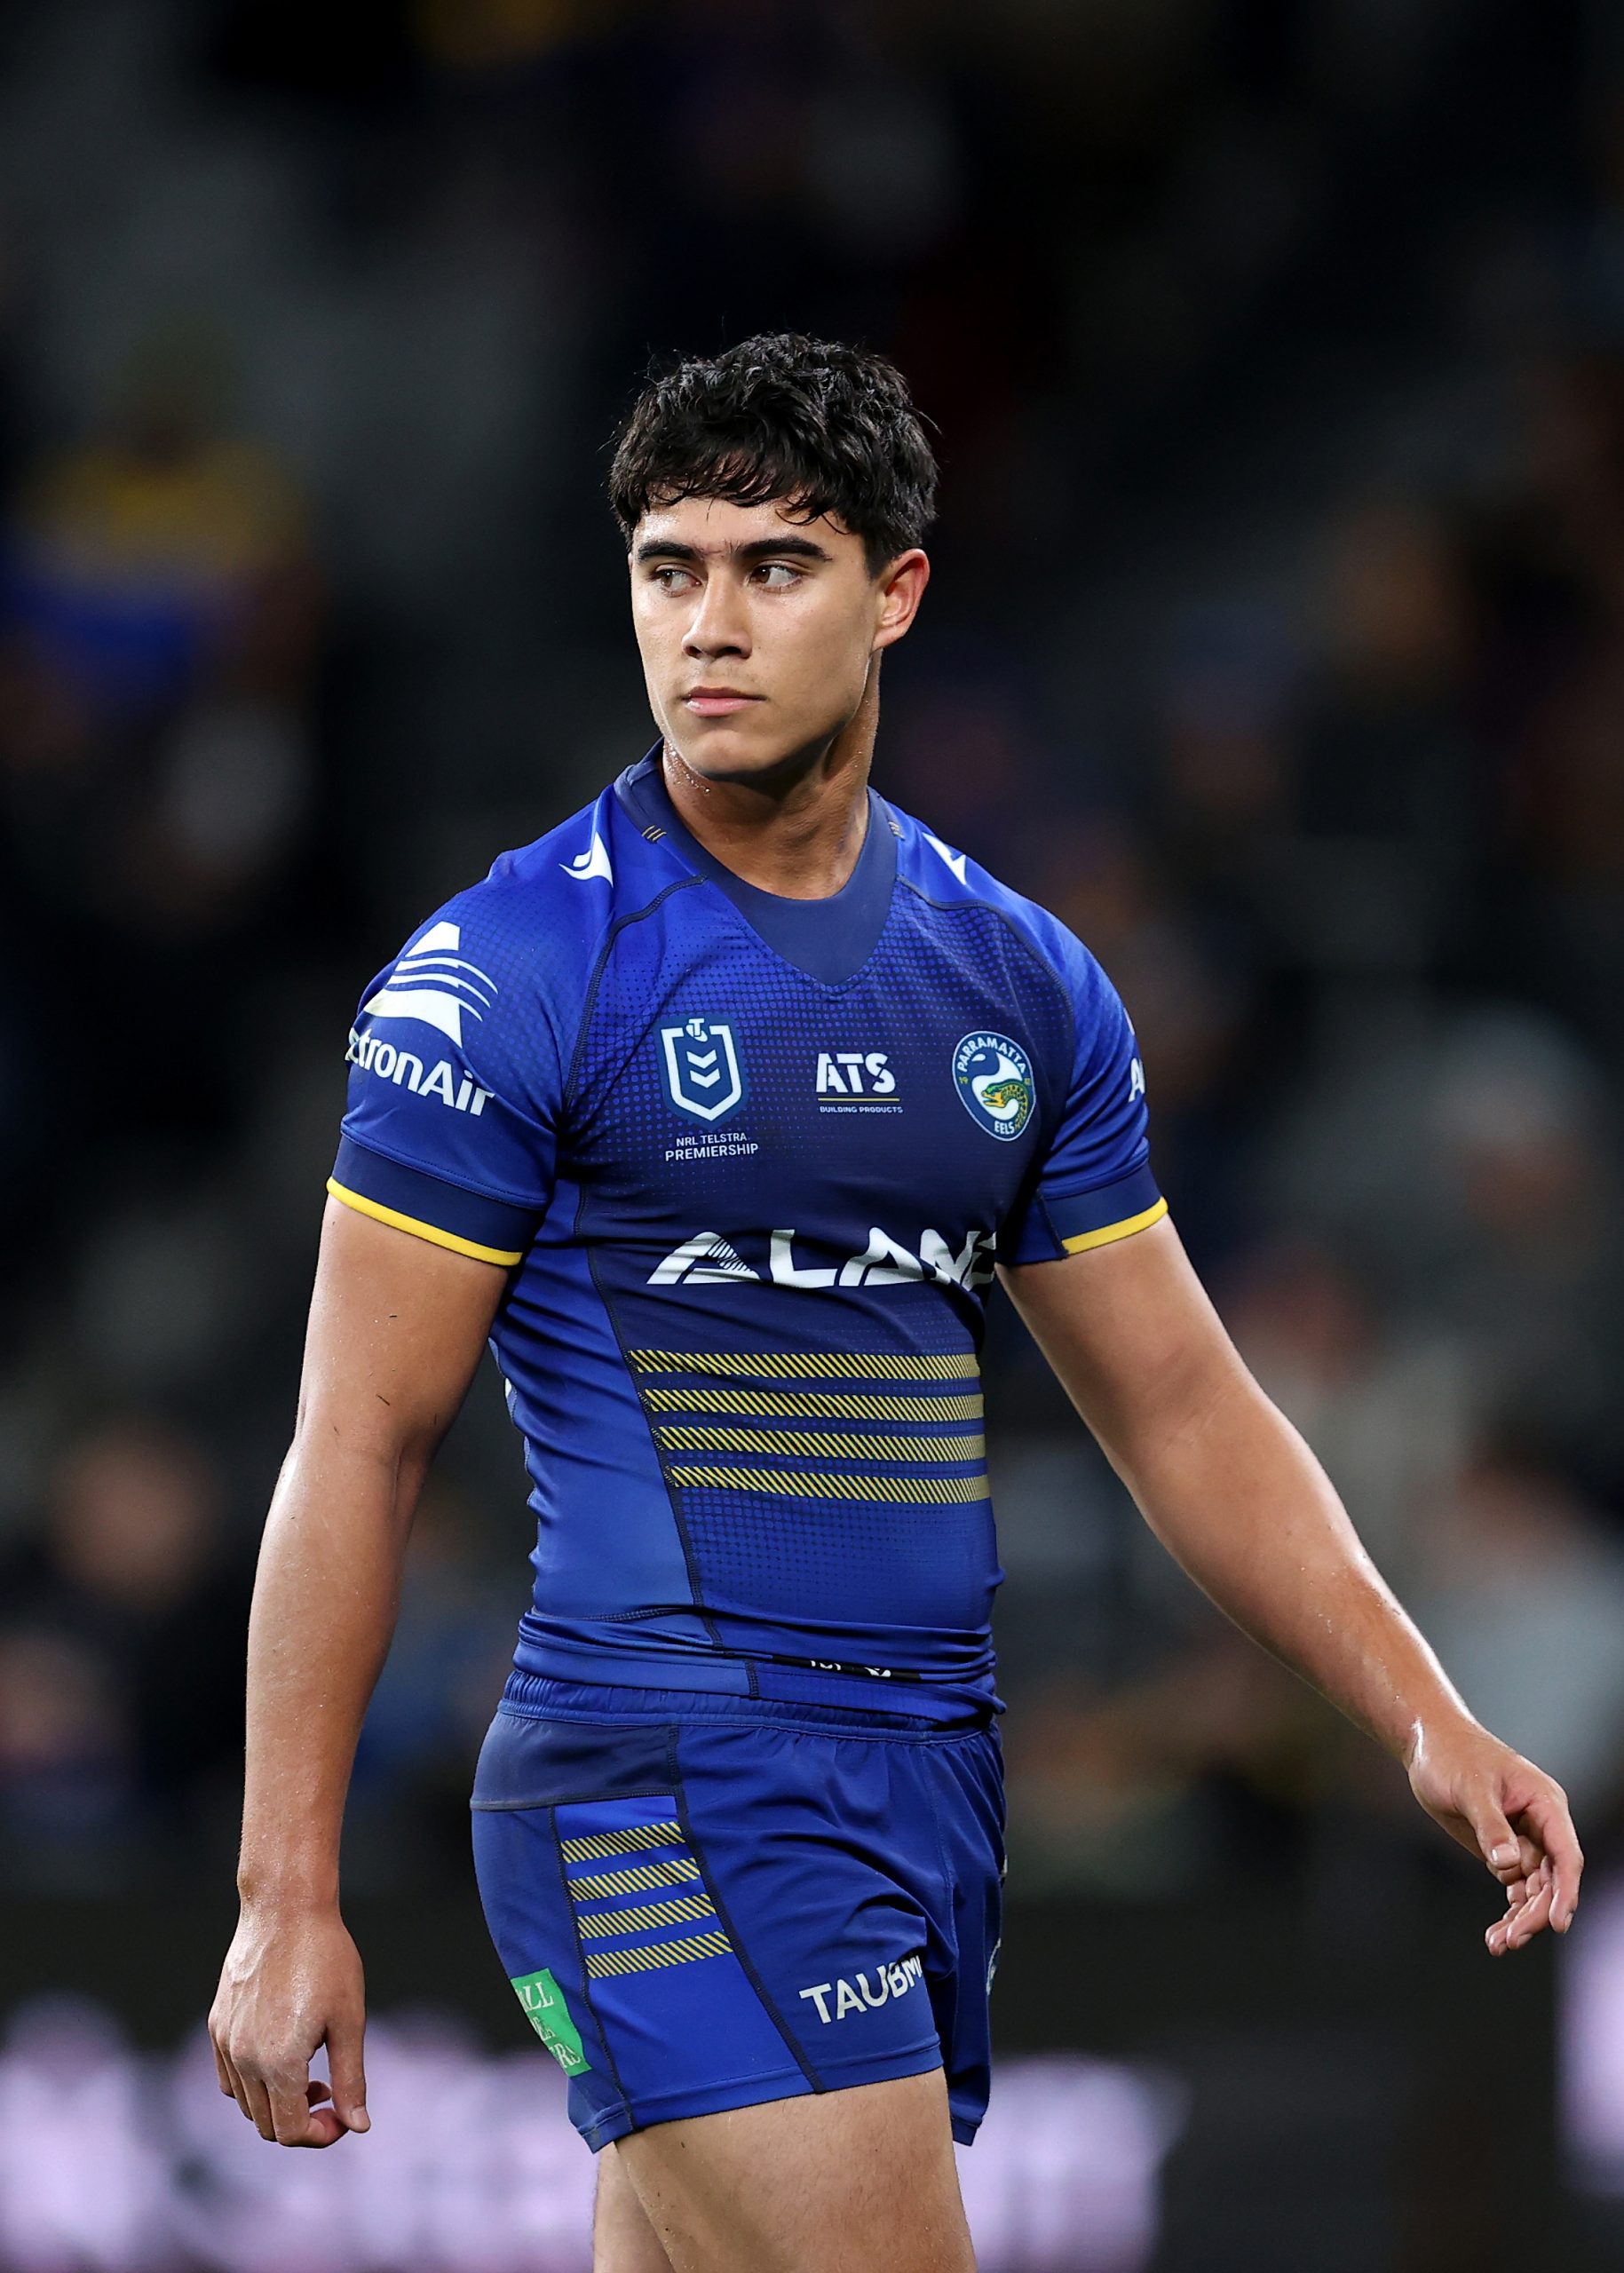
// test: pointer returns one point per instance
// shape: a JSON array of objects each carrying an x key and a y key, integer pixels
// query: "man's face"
[{"x": 758, "y": 631}]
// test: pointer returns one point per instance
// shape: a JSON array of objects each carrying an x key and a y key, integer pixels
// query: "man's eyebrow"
[{"x": 763, "y": 548}]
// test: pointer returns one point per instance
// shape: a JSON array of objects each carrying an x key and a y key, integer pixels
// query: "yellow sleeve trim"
[
  {"x": 382, "y": 1214},
  {"x": 1109, "y": 1233}
]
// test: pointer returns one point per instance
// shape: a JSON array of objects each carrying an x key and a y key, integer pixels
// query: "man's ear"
[{"x": 902, "y": 584}]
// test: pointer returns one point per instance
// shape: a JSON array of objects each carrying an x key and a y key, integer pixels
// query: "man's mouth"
[{"x": 716, "y": 701}]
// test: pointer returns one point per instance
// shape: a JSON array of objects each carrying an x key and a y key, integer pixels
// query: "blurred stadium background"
[{"x": 1277, "y": 348}]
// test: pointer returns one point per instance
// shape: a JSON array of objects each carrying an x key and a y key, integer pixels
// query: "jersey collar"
[{"x": 830, "y": 939}]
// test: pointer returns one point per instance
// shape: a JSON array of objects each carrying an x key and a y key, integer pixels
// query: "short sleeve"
[
  {"x": 454, "y": 1084},
  {"x": 1093, "y": 1182}
]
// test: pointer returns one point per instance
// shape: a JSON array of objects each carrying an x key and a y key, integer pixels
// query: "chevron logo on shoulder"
[
  {"x": 702, "y": 1072},
  {"x": 593, "y": 862}
]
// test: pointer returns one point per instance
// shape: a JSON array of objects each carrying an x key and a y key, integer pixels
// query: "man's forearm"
[
  {"x": 325, "y": 1602},
  {"x": 1230, "y": 1487},
  {"x": 1234, "y": 1493}
]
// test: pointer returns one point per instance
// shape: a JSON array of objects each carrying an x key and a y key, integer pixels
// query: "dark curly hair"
[{"x": 808, "y": 423}]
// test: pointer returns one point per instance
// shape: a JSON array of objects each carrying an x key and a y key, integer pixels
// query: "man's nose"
[{"x": 719, "y": 624}]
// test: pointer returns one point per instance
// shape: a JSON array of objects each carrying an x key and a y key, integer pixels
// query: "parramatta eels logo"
[
  {"x": 994, "y": 1075},
  {"x": 703, "y": 1075}
]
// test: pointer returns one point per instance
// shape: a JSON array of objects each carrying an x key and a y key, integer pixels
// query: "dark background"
[{"x": 1276, "y": 641}]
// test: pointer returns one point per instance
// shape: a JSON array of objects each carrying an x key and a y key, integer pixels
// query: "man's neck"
[{"x": 799, "y": 831}]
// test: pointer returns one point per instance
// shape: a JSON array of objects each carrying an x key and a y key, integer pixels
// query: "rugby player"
[{"x": 718, "y": 1111}]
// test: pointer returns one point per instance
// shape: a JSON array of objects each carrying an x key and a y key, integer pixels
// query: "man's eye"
[
  {"x": 671, "y": 580},
  {"x": 778, "y": 576}
]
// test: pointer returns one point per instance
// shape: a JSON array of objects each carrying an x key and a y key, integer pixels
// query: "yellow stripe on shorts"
[
  {"x": 609, "y": 1922},
  {"x": 598, "y": 1843},
  {"x": 599, "y": 1963},
  {"x": 640, "y": 1880}
]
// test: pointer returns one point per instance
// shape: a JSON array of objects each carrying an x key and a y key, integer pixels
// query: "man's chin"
[{"x": 722, "y": 749}]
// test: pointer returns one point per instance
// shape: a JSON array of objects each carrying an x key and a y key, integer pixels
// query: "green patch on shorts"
[{"x": 544, "y": 2000}]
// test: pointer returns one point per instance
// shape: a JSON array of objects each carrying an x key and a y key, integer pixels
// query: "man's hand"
[
  {"x": 1502, "y": 1807},
  {"x": 291, "y": 1981}
]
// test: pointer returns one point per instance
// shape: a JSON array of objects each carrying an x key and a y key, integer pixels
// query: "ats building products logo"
[
  {"x": 703, "y": 1075},
  {"x": 856, "y": 1080},
  {"x": 993, "y": 1077}
]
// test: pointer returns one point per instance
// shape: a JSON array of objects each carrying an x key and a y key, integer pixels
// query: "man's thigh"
[{"x": 846, "y": 2181}]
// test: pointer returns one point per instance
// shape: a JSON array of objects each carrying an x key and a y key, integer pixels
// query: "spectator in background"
[
  {"x": 129, "y": 1589},
  {"x": 161, "y": 552},
  {"x": 68, "y": 1795},
  {"x": 160, "y": 628}
]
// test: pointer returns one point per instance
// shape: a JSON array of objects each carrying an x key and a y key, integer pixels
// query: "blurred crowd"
[{"x": 1277, "y": 643}]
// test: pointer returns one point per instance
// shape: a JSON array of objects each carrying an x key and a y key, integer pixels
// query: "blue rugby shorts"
[{"x": 704, "y": 1903}]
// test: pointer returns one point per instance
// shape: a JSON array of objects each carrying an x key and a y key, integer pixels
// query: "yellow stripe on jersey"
[
  {"x": 812, "y": 1404},
  {"x": 818, "y": 1443},
  {"x": 811, "y": 1484},
  {"x": 598, "y": 1843},
  {"x": 807, "y": 1365},
  {"x": 1109, "y": 1233},
  {"x": 640, "y": 1880},
  {"x": 432, "y": 1231},
  {"x": 600, "y": 1963},
  {"x": 610, "y": 1922}
]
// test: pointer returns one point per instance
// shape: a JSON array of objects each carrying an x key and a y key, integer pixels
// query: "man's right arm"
[{"x": 396, "y": 1327}]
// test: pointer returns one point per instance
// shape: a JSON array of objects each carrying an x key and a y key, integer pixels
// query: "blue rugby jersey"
[{"x": 748, "y": 1161}]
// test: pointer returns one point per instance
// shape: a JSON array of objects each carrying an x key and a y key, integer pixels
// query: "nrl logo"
[{"x": 701, "y": 1068}]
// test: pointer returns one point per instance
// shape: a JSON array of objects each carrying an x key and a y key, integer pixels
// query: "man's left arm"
[{"x": 1233, "y": 1493}]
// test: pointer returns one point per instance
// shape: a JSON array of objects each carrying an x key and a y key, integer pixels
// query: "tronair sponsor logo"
[
  {"x": 836, "y": 1998},
  {"x": 404, "y": 1067},
  {"x": 710, "y": 1260},
  {"x": 856, "y": 1080}
]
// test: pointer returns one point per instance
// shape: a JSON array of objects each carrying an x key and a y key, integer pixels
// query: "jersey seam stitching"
[
  {"x": 564, "y": 1799},
  {"x": 586, "y": 1980},
  {"x": 589, "y": 1004},
  {"x": 824, "y": 985},
  {"x": 828, "y": 985},
  {"x": 1076, "y": 1191},
  {"x": 1031, "y": 950},
  {"x": 530, "y": 1206},
  {"x": 1029, "y": 946},
  {"x": 745, "y": 1963},
  {"x": 690, "y": 1564}
]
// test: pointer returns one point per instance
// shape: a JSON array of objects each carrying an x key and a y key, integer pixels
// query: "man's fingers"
[
  {"x": 291, "y": 2109},
  {"x": 1529, "y": 1920},
  {"x": 256, "y": 2103},
  {"x": 1548, "y": 1811},
  {"x": 347, "y": 2070},
  {"x": 234, "y": 2084},
  {"x": 1497, "y": 1843}
]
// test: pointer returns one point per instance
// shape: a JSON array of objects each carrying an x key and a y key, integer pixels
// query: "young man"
[{"x": 719, "y": 1109}]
